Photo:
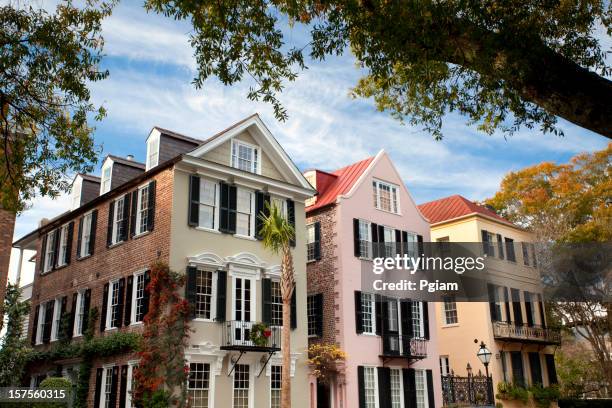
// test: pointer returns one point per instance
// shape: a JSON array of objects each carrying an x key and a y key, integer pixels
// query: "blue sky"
[{"x": 151, "y": 69}]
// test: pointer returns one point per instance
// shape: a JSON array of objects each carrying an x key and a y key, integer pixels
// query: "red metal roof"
[
  {"x": 453, "y": 207},
  {"x": 331, "y": 185}
]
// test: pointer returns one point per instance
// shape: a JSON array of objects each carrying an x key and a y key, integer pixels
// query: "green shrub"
[
  {"x": 54, "y": 383},
  {"x": 543, "y": 396},
  {"x": 512, "y": 392}
]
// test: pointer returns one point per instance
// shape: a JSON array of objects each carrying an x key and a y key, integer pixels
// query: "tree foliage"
[
  {"x": 14, "y": 349},
  {"x": 47, "y": 61},
  {"x": 501, "y": 64}
]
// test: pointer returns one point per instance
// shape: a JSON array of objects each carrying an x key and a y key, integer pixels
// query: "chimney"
[{"x": 130, "y": 157}]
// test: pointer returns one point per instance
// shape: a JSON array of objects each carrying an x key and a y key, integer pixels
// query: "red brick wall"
[
  {"x": 322, "y": 274},
  {"x": 7, "y": 227},
  {"x": 108, "y": 263}
]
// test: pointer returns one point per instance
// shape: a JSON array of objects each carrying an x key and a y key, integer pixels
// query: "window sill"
[
  {"x": 142, "y": 234},
  {"x": 311, "y": 261},
  {"x": 111, "y": 329},
  {"x": 116, "y": 244},
  {"x": 136, "y": 324},
  {"x": 202, "y": 320},
  {"x": 448, "y": 326},
  {"x": 80, "y": 258},
  {"x": 244, "y": 237},
  {"x": 214, "y": 231},
  {"x": 369, "y": 334}
]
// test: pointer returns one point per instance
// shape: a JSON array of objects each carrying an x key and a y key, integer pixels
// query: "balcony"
[
  {"x": 238, "y": 335},
  {"x": 399, "y": 346},
  {"x": 526, "y": 334}
]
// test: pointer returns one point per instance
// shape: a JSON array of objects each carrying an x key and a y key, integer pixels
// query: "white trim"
[
  {"x": 251, "y": 390},
  {"x": 135, "y": 276},
  {"x": 105, "y": 367},
  {"x": 56, "y": 319},
  {"x": 108, "y": 164},
  {"x": 207, "y": 259},
  {"x": 114, "y": 229},
  {"x": 154, "y": 135},
  {"x": 252, "y": 301},
  {"x": 256, "y": 152},
  {"x": 109, "y": 305},
  {"x": 77, "y": 319}
]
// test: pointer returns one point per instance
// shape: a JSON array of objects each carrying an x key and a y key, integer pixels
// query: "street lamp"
[{"x": 484, "y": 355}]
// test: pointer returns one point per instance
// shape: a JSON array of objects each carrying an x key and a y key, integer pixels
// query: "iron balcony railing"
[
  {"x": 238, "y": 335},
  {"x": 396, "y": 345},
  {"x": 526, "y": 333}
]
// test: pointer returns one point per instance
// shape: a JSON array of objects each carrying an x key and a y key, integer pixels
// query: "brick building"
[{"x": 192, "y": 205}]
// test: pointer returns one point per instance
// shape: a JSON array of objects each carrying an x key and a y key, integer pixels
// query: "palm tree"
[{"x": 277, "y": 234}]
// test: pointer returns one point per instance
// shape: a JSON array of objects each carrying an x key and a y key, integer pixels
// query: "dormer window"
[
  {"x": 245, "y": 156},
  {"x": 105, "y": 185},
  {"x": 386, "y": 196},
  {"x": 152, "y": 151},
  {"x": 76, "y": 192}
]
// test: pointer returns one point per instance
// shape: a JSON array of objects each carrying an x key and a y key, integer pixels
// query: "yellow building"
[{"x": 512, "y": 324}]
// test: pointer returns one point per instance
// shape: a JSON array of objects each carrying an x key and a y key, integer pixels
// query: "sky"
[{"x": 151, "y": 68}]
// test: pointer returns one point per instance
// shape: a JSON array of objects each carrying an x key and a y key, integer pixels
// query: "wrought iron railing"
[
  {"x": 512, "y": 331},
  {"x": 395, "y": 345},
  {"x": 238, "y": 335},
  {"x": 473, "y": 390}
]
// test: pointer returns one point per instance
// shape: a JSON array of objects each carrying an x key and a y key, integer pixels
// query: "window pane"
[
  {"x": 275, "y": 386},
  {"x": 396, "y": 388},
  {"x": 241, "y": 386},
  {"x": 203, "y": 294},
  {"x": 367, "y": 309},
  {"x": 369, "y": 374},
  {"x": 276, "y": 304}
]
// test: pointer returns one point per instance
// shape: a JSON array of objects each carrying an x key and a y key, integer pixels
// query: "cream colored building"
[{"x": 512, "y": 324}]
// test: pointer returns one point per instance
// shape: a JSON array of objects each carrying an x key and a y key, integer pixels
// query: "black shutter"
[
  {"x": 398, "y": 241},
  {"x": 79, "y": 240},
  {"x": 317, "y": 243},
  {"x": 485, "y": 241},
  {"x": 98, "y": 391},
  {"x": 384, "y": 387},
  {"x": 109, "y": 232},
  {"x": 125, "y": 221},
  {"x": 378, "y": 312},
  {"x": 356, "y": 238},
  {"x": 318, "y": 299},
  {"x": 421, "y": 245},
  {"x": 375, "y": 246},
  {"x": 221, "y": 295},
  {"x": 528, "y": 309},
  {"x": 507, "y": 302},
  {"x": 516, "y": 307},
  {"x": 382, "y": 250},
  {"x": 430, "y": 389},
  {"x": 426, "y": 320},
  {"x": 48, "y": 321},
  {"x": 35, "y": 325},
  {"x": 408, "y": 375},
  {"x": 191, "y": 290},
  {"x": 43, "y": 251},
  {"x": 492, "y": 304},
  {"x": 104, "y": 307},
  {"x": 231, "y": 215},
  {"x": 56, "y": 245},
  {"x": 551, "y": 369},
  {"x": 86, "y": 309},
  {"x": 62, "y": 329},
  {"x": 518, "y": 375},
  {"x": 118, "y": 322},
  {"x": 194, "y": 201},
  {"x": 500, "y": 247},
  {"x": 129, "y": 288},
  {"x": 266, "y": 295},
  {"x": 536, "y": 368},
  {"x": 69, "y": 242},
  {"x": 542, "y": 312},
  {"x": 151, "y": 206},
  {"x": 406, "y": 311},
  {"x": 224, "y": 207},
  {"x": 361, "y": 386},
  {"x": 92, "y": 238},
  {"x": 293, "y": 309},
  {"x": 260, "y": 209},
  {"x": 358, "y": 313},
  {"x": 73, "y": 311},
  {"x": 404, "y": 242},
  {"x": 147, "y": 294},
  {"x": 114, "y": 383},
  {"x": 291, "y": 218},
  {"x": 134, "y": 209},
  {"x": 123, "y": 386}
]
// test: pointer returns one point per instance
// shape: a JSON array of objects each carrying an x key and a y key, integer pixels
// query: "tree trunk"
[{"x": 287, "y": 288}]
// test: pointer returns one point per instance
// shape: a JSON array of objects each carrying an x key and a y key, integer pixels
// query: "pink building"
[{"x": 360, "y": 211}]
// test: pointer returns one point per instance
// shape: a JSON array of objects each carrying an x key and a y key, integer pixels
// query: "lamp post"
[{"x": 484, "y": 355}]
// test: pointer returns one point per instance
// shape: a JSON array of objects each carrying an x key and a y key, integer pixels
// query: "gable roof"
[
  {"x": 345, "y": 179},
  {"x": 180, "y": 136},
  {"x": 126, "y": 162},
  {"x": 456, "y": 206}
]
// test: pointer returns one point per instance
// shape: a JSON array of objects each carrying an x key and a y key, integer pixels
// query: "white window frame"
[
  {"x": 255, "y": 161},
  {"x": 139, "y": 210},
  {"x": 394, "y": 199},
  {"x": 105, "y": 181},
  {"x": 372, "y": 301},
  {"x": 105, "y": 379},
  {"x": 421, "y": 320},
  {"x": 42, "y": 311},
  {"x": 210, "y": 402},
  {"x": 57, "y": 319},
  {"x": 130, "y": 379},
  {"x": 49, "y": 255},
  {"x": 62, "y": 253},
  {"x": 445, "y": 365},
  {"x": 401, "y": 386},
  {"x": 251, "y": 384},
  {"x": 216, "y": 205},
  {"x": 271, "y": 379},
  {"x": 310, "y": 241},
  {"x": 445, "y": 310},
  {"x": 117, "y": 218},
  {"x": 366, "y": 389},
  {"x": 77, "y": 186},
  {"x": 252, "y": 215},
  {"x": 153, "y": 156},
  {"x": 134, "y": 301},
  {"x": 365, "y": 243},
  {"x": 86, "y": 232},
  {"x": 276, "y": 281},
  {"x": 423, "y": 374},
  {"x": 390, "y": 246},
  {"x": 213, "y": 296},
  {"x": 79, "y": 315},
  {"x": 109, "y": 303}
]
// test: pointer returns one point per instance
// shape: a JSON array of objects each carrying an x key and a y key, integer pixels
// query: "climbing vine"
[{"x": 162, "y": 368}]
